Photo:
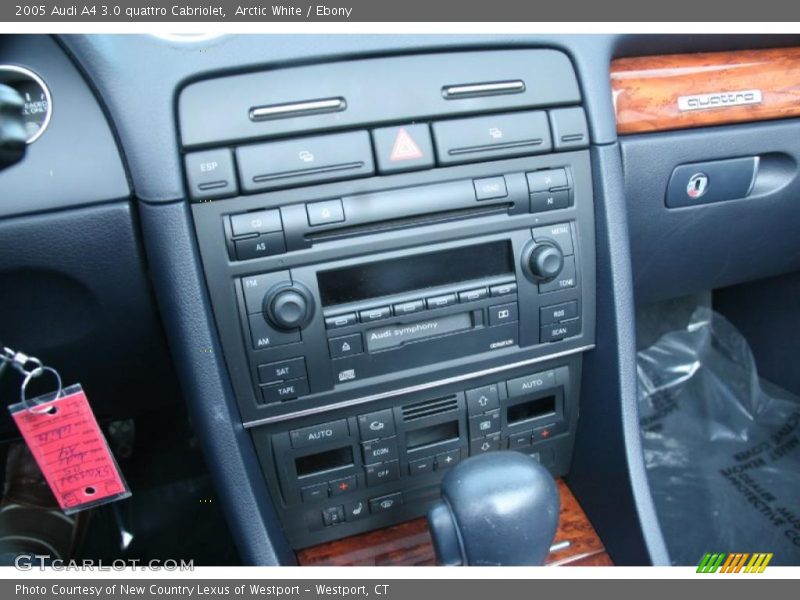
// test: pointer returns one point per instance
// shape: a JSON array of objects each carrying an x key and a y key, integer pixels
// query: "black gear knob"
[{"x": 499, "y": 508}]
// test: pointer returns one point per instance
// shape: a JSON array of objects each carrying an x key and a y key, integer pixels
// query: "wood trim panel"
[
  {"x": 410, "y": 543},
  {"x": 646, "y": 89}
]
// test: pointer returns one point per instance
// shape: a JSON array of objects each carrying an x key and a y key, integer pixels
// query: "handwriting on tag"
[{"x": 71, "y": 451}]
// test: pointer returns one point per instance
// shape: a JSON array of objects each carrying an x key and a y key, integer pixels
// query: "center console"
[{"x": 400, "y": 256}]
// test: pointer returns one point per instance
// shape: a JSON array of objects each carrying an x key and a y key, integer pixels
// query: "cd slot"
[{"x": 403, "y": 223}]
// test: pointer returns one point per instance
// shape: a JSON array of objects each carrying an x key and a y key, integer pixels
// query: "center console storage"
[{"x": 401, "y": 261}]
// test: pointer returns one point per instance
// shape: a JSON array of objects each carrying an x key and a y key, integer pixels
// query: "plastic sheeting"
[{"x": 722, "y": 447}]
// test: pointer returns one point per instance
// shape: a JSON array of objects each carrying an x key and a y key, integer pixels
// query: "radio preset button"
[
  {"x": 445, "y": 460},
  {"x": 262, "y": 221},
  {"x": 288, "y": 390},
  {"x": 503, "y": 289},
  {"x": 375, "y": 314},
  {"x": 341, "y": 321},
  {"x": 528, "y": 384},
  {"x": 378, "y": 474},
  {"x": 384, "y": 503},
  {"x": 264, "y": 336},
  {"x": 333, "y": 515},
  {"x": 484, "y": 425},
  {"x": 343, "y": 486},
  {"x": 490, "y": 188},
  {"x": 503, "y": 313},
  {"x": 483, "y": 399},
  {"x": 376, "y": 425},
  {"x": 566, "y": 279},
  {"x": 325, "y": 212},
  {"x": 549, "y": 179},
  {"x": 421, "y": 466},
  {"x": 312, "y": 493},
  {"x": 559, "y": 331},
  {"x": 319, "y": 434},
  {"x": 485, "y": 445},
  {"x": 407, "y": 308},
  {"x": 560, "y": 233},
  {"x": 543, "y": 201},
  {"x": 378, "y": 451},
  {"x": 346, "y": 345},
  {"x": 440, "y": 301},
  {"x": 558, "y": 312},
  {"x": 473, "y": 295}
]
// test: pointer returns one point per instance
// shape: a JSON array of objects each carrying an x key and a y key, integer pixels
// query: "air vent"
[{"x": 429, "y": 408}]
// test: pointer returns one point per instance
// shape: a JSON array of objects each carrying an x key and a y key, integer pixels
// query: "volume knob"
[
  {"x": 288, "y": 306},
  {"x": 546, "y": 261}
]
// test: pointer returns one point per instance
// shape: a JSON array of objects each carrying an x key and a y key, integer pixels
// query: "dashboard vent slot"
[{"x": 429, "y": 408}]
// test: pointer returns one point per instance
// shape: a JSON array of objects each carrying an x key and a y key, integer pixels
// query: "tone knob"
[
  {"x": 545, "y": 261},
  {"x": 288, "y": 306}
]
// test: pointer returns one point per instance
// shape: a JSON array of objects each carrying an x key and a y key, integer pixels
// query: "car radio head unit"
[{"x": 386, "y": 314}]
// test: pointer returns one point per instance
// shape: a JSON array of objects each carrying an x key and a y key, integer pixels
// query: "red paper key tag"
[{"x": 71, "y": 450}]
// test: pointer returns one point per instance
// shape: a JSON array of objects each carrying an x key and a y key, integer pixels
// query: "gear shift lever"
[{"x": 498, "y": 509}]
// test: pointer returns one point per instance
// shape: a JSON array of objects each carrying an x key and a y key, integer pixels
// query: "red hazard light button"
[{"x": 403, "y": 148}]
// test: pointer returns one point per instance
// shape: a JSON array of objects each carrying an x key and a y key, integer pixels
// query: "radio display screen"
[{"x": 397, "y": 276}]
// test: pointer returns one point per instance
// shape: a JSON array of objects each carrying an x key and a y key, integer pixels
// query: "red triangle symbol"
[{"x": 405, "y": 148}]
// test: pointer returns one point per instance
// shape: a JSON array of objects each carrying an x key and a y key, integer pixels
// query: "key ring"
[
  {"x": 33, "y": 375},
  {"x": 31, "y": 368}
]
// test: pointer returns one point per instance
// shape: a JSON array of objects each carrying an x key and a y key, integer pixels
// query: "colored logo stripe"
[{"x": 734, "y": 562}]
